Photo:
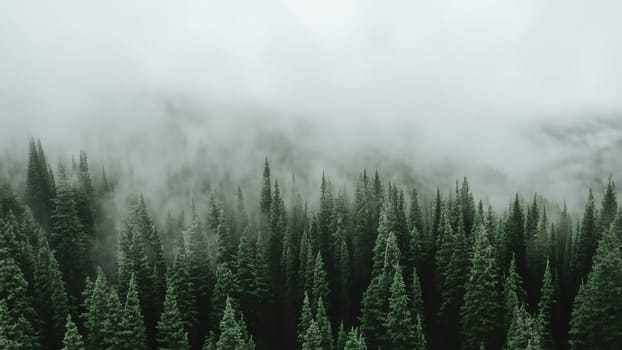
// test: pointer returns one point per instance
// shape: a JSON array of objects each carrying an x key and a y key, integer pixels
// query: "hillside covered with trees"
[{"x": 370, "y": 264}]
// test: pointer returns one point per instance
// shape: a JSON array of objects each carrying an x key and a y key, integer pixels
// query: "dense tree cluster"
[{"x": 379, "y": 270}]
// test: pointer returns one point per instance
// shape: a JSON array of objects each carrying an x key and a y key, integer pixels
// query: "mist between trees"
[{"x": 91, "y": 259}]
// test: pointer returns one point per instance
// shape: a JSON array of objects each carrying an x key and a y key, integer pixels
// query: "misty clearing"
[{"x": 310, "y": 175}]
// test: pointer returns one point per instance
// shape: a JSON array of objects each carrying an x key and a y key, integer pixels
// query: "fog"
[{"x": 522, "y": 95}]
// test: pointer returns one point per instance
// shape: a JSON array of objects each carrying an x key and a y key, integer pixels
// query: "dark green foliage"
[
  {"x": 452, "y": 264},
  {"x": 171, "y": 331},
  {"x": 342, "y": 337},
  {"x": 399, "y": 321},
  {"x": 305, "y": 319},
  {"x": 231, "y": 334},
  {"x": 132, "y": 334},
  {"x": 266, "y": 191},
  {"x": 515, "y": 238},
  {"x": 330, "y": 259},
  {"x": 17, "y": 310},
  {"x": 69, "y": 239},
  {"x": 320, "y": 285},
  {"x": 609, "y": 207},
  {"x": 483, "y": 302},
  {"x": 245, "y": 272},
  {"x": 514, "y": 293},
  {"x": 181, "y": 280},
  {"x": 597, "y": 313},
  {"x": 545, "y": 308},
  {"x": 355, "y": 341},
  {"x": 523, "y": 332},
  {"x": 226, "y": 287},
  {"x": 72, "y": 339},
  {"x": 324, "y": 325},
  {"x": 587, "y": 238},
  {"x": 416, "y": 297},
  {"x": 40, "y": 187},
  {"x": 313, "y": 338},
  {"x": 201, "y": 276},
  {"x": 50, "y": 299}
]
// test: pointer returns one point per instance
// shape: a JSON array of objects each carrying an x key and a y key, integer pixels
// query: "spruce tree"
[
  {"x": 399, "y": 321},
  {"x": 514, "y": 294},
  {"x": 226, "y": 287},
  {"x": 355, "y": 341},
  {"x": 320, "y": 285},
  {"x": 231, "y": 334},
  {"x": 245, "y": 272},
  {"x": 306, "y": 317},
  {"x": 13, "y": 292},
  {"x": 597, "y": 312},
  {"x": 181, "y": 280},
  {"x": 313, "y": 338},
  {"x": 341, "y": 337},
  {"x": 324, "y": 325},
  {"x": 483, "y": 303},
  {"x": 132, "y": 332},
  {"x": 73, "y": 339},
  {"x": 545, "y": 309},
  {"x": 171, "y": 332},
  {"x": 416, "y": 297},
  {"x": 50, "y": 299},
  {"x": 201, "y": 276},
  {"x": 585, "y": 247},
  {"x": 68, "y": 238}
]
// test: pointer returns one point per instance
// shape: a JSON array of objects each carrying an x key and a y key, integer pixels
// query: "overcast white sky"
[{"x": 452, "y": 70}]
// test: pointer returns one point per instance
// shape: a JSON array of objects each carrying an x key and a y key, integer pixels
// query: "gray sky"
[{"x": 429, "y": 76}]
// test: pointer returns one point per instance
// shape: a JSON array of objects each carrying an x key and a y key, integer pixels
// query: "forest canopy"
[{"x": 368, "y": 264}]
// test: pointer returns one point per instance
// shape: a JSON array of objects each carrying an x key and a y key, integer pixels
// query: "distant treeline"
[{"x": 374, "y": 269}]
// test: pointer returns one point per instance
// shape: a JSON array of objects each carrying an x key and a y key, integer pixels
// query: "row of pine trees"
[{"x": 379, "y": 270}]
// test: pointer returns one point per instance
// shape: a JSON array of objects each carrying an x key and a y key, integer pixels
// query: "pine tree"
[
  {"x": 210, "y": 342},
  {"x": 313, "y": 338},
  {"x": 609, "y": 207},
  {"x": 355, "y": 341},
  {"x": 483, "y": 303},
  {"x": 305, "y": 319},
  {"x": 586, "y": 242},
  {"x": 68, "y": 238},
  {"x": 10, "y": 337},
  {"x": 514, "y": 293},
  {"x": 39, "y": 185},
  {"x": 171, "y": 332},
  {"x": 324, "y": 325},
  {"x": 416, "y": 297},
  {"x": 597, "y": 313},
  {"x": 523, "y": 332},
  {"x": 112, "y": 322},
  {"x": 132, "y": 328},
  {"x": 245, "y": 272},
  {"x": 453, "y": 262},
  {"x": 73, "y": 339},
  {"x": 19, "y": 313},
  {"x": 341, "y": 337},
  {"x": 515, "y": 238},
  {"x": 201, "y": 276},
  {"x": 320, "y": 285},
  {"x": 50, "y": 299},
  {"x": 231, "y": 334},
  {"x": 266, "y": 191},
  {"x": 420, "y": 342},
  {"x": 545, "y": 306},
  {"x": 226, "y": 287},
  {"x": 399, "y": 324},
  {"x": 181, "y": 281},
  {"x": 225, "y": 250}
]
